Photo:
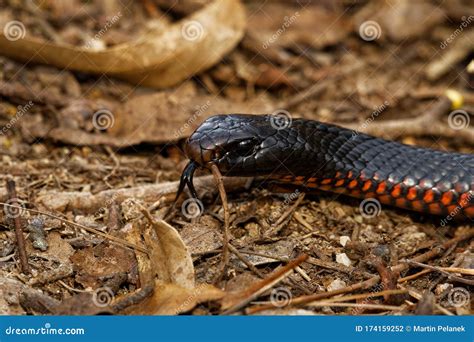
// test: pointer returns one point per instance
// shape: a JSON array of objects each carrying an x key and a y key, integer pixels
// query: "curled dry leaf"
[
  {"x": 198, "y": 41},
  {"x": 169, "y": 255},
  {"x": 170, "y": 269}
]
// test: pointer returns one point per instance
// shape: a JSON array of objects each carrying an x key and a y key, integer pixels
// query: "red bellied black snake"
[{"x": 318, "y": 155}]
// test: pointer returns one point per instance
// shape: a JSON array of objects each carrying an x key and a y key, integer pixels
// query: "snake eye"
[{"x": 242, "y": 148}]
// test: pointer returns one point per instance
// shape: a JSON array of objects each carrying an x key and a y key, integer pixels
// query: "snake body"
[{"x": 317, "y": 155}]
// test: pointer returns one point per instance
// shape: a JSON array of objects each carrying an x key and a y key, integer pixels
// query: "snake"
[{"x": 320, "y": 156}]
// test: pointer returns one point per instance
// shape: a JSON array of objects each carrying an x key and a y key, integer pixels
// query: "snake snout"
[{"x": 195, "y": 151}]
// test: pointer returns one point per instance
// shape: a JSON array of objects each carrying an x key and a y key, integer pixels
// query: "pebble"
[{"x": 342, "y": 258}]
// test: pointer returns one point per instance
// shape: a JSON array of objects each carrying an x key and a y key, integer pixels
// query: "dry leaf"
[
  {"x": 170, "y": 261},
  {"x": 156, "y": 60},
  {"x": 169, "y": 255},
  {"x": 9, "y": 299},
  {"x": 94, "y": 265},
  {"x": 203, "y": 236},
  {"x": 156, "y": 118},
  {"x": 172, "y": 299}
]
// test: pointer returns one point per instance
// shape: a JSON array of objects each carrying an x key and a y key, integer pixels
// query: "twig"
[
  {"x": 20, "y": 239},
  {"x": 388, "y": 278},
  {"x": 413, "y": 276},
  {"x": 133, "y": 298},
  {"x": 357, "y": 305},
  {"x": 245, "y": 261},
  {"x": 89, "y": 229},
  {"x": 443, "y": 271},
  {"x": 6, "y": 258},
  {"x": 365, "y": 295},
  {"x": 234, "y": 302},
  {"x": 415, "y": 294},
  {"x": 288, "y": 212},
  {"x": 369, "y": 282},
  {"x": 86, "y": 201},
  {"x": 225, "y": 244},
  {"x": 458, "y": 261},
  {"x": 425, "y": 124}
]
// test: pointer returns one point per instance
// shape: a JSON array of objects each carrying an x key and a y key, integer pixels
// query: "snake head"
[{"x": 230, "y": 142}]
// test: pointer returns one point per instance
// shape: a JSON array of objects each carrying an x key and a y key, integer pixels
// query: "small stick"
[
  {"x": 369, "y": 282},
  {"x": 20, "y": 239},
  {"x": 388, "y": 278},
  {"x": 245, "y": 261},
  {"x": 88, "y": 229},
  {"x": 236, "y": 301},
  {"x": 364, "y": 296},
  {"x": 225, "y": 244},
  {"x": 441, "y": 270},
  {"x": 289, "y": 211},
  {"x": 415, "y": 294},
  {"x": 356, "y": 305},
  {"x": 413, "y": 276}
]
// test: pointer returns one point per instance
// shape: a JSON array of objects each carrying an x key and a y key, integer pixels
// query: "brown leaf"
[
  {"x": 159, "y": 117},
  {"x": 172, "y": 299},
  {"x": 174, "y": 291},
  {"x": 58, "y": 248},
  {"x": 94, "y": 265},
  {"x": 81, "y": 304},
  {"x": 169, "y": 255},
  {"x": 9, "y": 296},
  {"x": 198, "y": 42},
  {"x": 203, "y": 236}
]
